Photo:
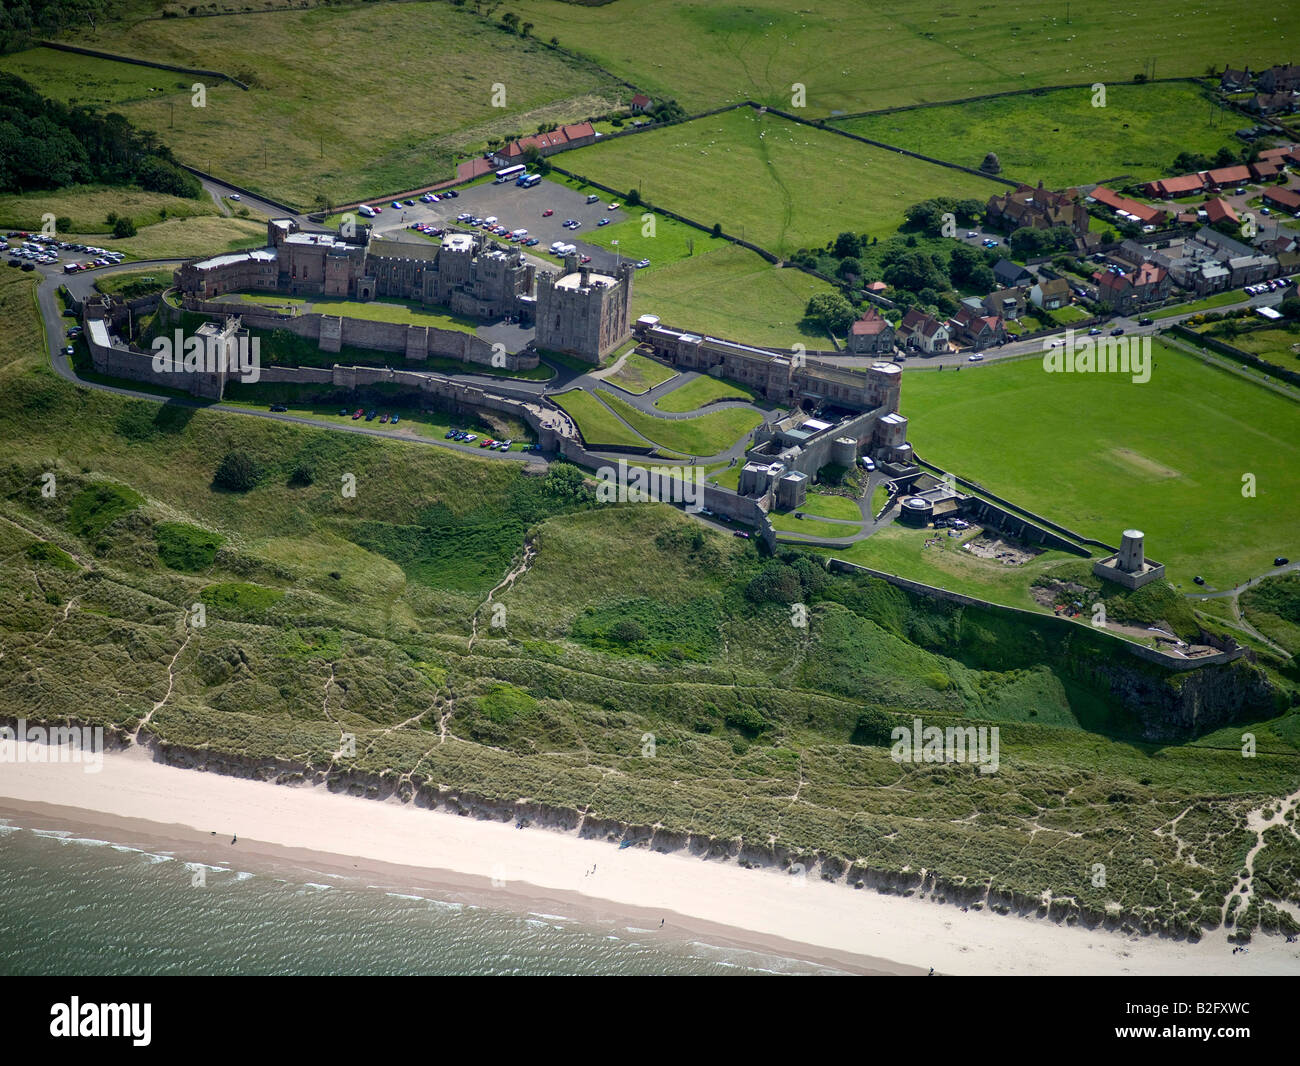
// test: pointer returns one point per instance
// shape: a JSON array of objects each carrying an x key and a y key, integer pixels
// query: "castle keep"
[
  {"x": 582, "y": 312},
  {"x": 466, "y": 274}
]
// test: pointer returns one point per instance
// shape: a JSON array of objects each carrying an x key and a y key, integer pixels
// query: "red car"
[
  {"x": 357, "y": 414},
  {"x": 547, "y": 213}
]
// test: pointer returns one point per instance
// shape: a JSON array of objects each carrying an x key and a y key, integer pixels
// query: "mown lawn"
[
  {"x": 699, "y": 391},
  {"x": 638, "y": 374},
  {"x": 704, "y": 435},
  {"x": 1101, "y": 454},
  {"x": 596, "y": 422}
]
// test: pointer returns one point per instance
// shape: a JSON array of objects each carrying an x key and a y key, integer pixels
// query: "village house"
[
  {"x": 1235, "y": 81},
  {"x": 1126, "y": 208},
  {"x": 1038, "y": 208},
  {"x": 1169, "y": 188},
  {"x": 1263, "y": 171},
  {"x": 1009, "y": 274},
  {"x": 1123, "y": 292},
  {"x": 1285, "y": 199},
  {"x": 641, "y": 102},
  {"x": 1279, "y": 79},
  {"x": 976, "y": 331},
  {"x": 574, "y": 135},
  {"x": 871, "y": 333},
  {"x": 1050, "y": 295},
  {"x": 1008, "y": 303},
  {"x": 923, "y": 332},
  {"x": 1219, "y": 210},
  {"x": 1273, "y": 103}
]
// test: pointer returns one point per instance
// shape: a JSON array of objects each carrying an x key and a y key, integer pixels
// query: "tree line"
[{"x": 45, "y": 144}]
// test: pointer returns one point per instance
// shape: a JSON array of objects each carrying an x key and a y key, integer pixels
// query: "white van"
[{"x": 366, "y": 211}]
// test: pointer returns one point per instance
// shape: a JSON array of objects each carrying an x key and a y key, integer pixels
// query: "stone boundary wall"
[
  {"x": 1047, "y": 522},
  {"x": 1036, "y": 91},
  {"x": 1223, "y": 348},
  {"x": 411, "y": 341},
  {"x": 1151, "y": 655},
  {"x": 97, "y": 54}
]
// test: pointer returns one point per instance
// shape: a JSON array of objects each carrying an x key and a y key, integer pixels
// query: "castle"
[{"x": 578, "y": 312}]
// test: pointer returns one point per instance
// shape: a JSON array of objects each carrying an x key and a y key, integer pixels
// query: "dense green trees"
[{"x": 47, "y": 145}]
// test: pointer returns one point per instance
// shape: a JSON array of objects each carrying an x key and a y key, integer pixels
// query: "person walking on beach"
[{"x": 235, "y": 839}]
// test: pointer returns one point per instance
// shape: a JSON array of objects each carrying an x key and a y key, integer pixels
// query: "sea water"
[{"x": 80, "y": 905}]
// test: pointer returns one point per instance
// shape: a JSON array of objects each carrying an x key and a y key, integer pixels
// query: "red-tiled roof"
[
  {"x": 640, "y": 100},
  {"x": 1229, "y": 175},
  {"x": 868, "y": 325},
  {"x": 1113, "y": 200},
  {"x": 1219, "y": 210},
  {"x": 1283, "y": 198}
]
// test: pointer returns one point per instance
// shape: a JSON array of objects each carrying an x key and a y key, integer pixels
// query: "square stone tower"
[{"x": 584, "y": 313}]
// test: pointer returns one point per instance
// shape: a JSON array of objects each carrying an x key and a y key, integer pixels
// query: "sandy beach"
[{"x": 135, "y": 800}]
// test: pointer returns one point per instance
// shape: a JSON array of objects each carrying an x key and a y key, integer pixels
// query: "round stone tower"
[{"x": 1131, "y": 556}]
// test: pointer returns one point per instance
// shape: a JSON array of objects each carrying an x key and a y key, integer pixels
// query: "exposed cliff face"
[{"x": 1174, "y": 707}]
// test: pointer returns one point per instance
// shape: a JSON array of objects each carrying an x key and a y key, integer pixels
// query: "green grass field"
[
  {"x": 596, "y": 421},
  {"x": 732, "y": 293},
  {"x": 824, "y": 505},
  {"x": 1059, "y": 137},
  {"x": 638, "y": 374},
  {"x": 775, "y": 183},
  {"x": 88, "y": 207},
  {"x": 402, "y": 312},
  {"x": 415, "y": 83},
  {"x": 182, "y": 238},
  {"x": 699, "y": 391},
  {"x": 704, "y": 435},
  {"x": 661, "y": 240},
  {"x": 137, "y": 280},
  {"x": 724, "y": 53},
  {"x": 1209, "y": 303},
  {"x": 1100, "y": 454},
  {"x": 812, "y": 527}
]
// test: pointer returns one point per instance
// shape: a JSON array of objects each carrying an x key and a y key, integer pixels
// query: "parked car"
[
  {"x": 357, "y": 414},
  {"x": 394, "y": 420},
  {"x": 585, "y": 259},
  {"x": 384, "y": 417},
  {"x": 370, "y": 415},
  {"x": 975, "y": 358},
  {"x": 613, "y": 207},
  {"x": 449, "y": 434},
  {"x": 1281, "y": 560},
  {"x": 1094, "y": 332},
  {"x": 235, "y": 196},
  {"x": 397, "y": 204},
  {"x": 548, "y": 213},
  {"x": 603, "y": 222},
  {"x": 1146, "y": 321},
  {"x": 1118, "y": 331},
  {"x": 1199, "y": 580},
  {"x": 642, "y": 263},
  {"x": 343, "y": 412},
  {"x": 531, "y": 241},
  {"x": 410, "y": 203}
]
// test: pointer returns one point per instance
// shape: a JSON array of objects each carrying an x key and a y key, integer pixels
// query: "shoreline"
[{"x": 138, "y": 801}]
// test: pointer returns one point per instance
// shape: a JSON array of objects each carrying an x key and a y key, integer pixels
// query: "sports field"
[
  {"x": 1060, "y": 137},
  {"x": 775, "y": 183},
  {"x": 1101, "y": 454}
]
